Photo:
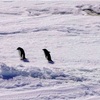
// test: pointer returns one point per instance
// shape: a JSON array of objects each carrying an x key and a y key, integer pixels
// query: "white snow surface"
[{"x": 68, "y": 32}]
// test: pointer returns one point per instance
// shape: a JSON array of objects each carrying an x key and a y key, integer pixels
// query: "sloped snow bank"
[
  {"x": 26, "y": 77},
  {"x": 7, "y": 72}
]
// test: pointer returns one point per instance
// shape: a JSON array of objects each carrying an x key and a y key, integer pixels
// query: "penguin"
[
  {"x": 48, "y": 56},
  {"x": 21, "y": 53}
]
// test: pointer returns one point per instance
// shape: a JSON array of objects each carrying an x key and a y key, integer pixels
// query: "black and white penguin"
[
  {"x": 21, "y": 53},
  {"x": 47, "y": 55}
]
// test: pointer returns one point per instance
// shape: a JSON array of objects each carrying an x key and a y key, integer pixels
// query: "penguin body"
[
  {"x": 47, "y": 55},
  {"x": 21, "y": 53}
]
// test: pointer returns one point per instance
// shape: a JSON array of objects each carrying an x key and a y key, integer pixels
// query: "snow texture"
[{"x": 70, "y": 30}]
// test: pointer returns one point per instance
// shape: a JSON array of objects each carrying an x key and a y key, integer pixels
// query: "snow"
[{"x": 69, "y": 29}]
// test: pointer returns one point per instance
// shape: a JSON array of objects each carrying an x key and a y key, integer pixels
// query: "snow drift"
[{"x": 7, "y": 72}]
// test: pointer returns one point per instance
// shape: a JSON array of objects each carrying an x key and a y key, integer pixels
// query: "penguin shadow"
[
  {"x": 25, "y": 60},
  {"x": 51, "y": 62}
]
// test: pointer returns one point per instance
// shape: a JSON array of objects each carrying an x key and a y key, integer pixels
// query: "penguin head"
[
  {"x": 45, "y": 50},
  {"x": 19, "y": 48}
]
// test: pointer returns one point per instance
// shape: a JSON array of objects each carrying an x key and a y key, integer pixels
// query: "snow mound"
[
  {"x": 89, "y": 9},
  {"x": 7, "y": 72}
]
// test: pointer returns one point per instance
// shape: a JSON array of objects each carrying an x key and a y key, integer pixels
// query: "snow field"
[{"x": 68, "y": 32}]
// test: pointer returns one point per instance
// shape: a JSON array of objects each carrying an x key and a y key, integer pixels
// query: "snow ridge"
[{"x": 7, "y": 72}]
